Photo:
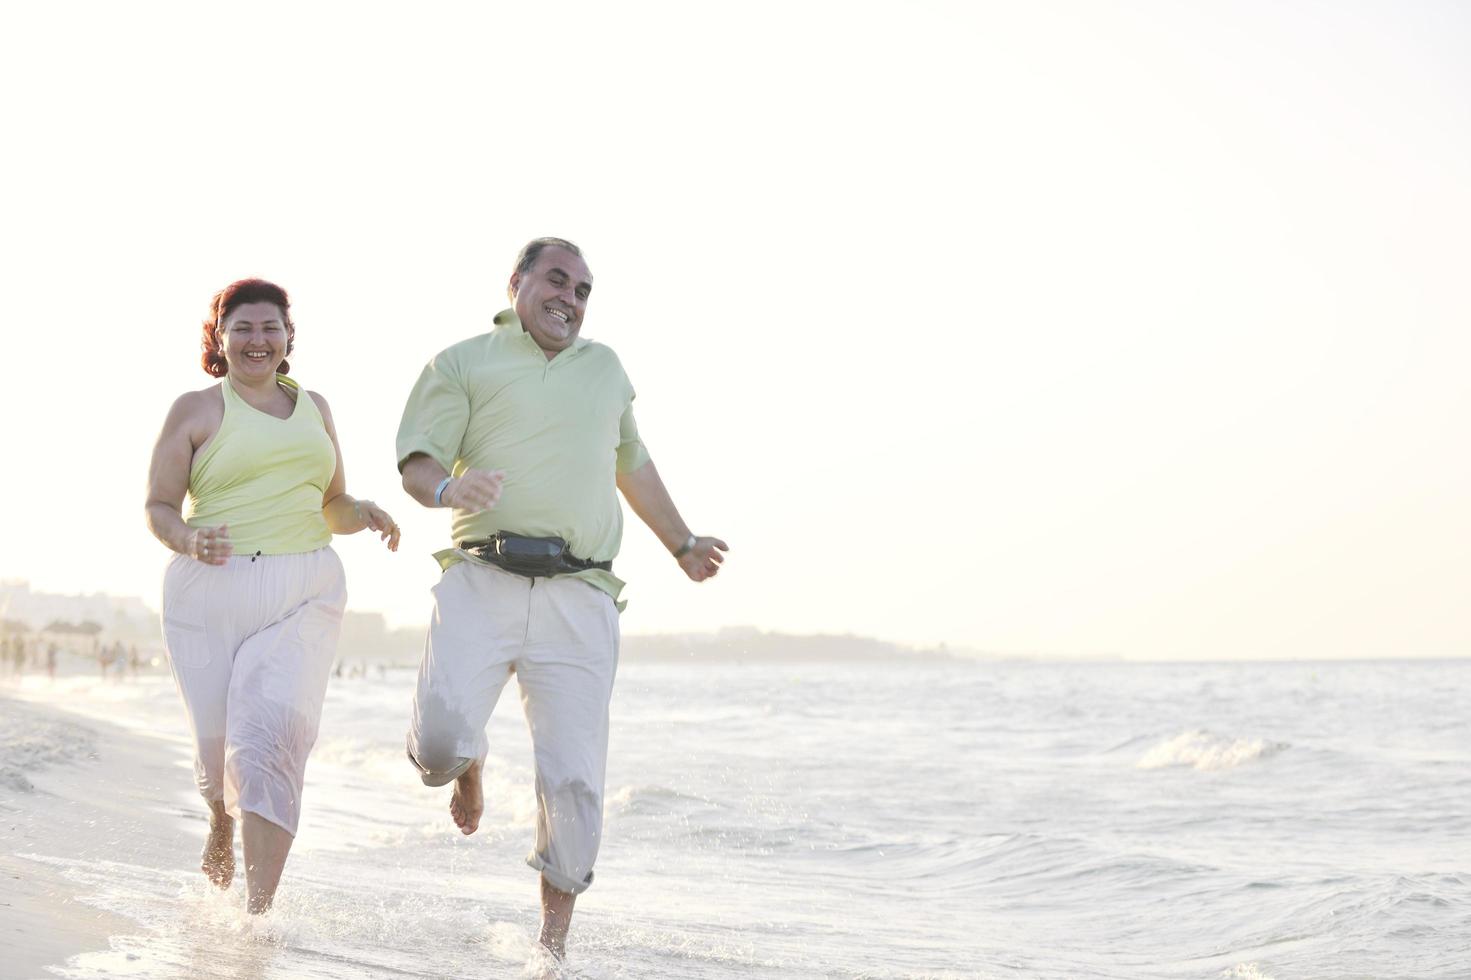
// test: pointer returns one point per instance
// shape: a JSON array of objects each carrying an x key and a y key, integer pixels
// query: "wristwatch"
[{"x": 686, "y": 548}]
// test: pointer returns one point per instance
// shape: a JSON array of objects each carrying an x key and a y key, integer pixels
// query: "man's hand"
[
  {"x": 703, "y": 560},
  {"x": 474, "y": 490}
]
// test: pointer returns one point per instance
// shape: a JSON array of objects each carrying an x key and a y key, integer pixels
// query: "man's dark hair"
[{"x": 533, "y": 248}]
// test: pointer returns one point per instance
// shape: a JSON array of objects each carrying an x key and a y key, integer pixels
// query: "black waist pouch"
[{"x": 532, "y": 557}]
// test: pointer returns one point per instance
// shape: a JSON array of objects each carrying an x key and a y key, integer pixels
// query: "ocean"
[{"x": 1059, "y": 821}]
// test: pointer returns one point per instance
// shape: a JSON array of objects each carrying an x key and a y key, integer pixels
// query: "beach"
[
  {"x": 1270, "y": 821},
  {"x": 85, "y": 789}
]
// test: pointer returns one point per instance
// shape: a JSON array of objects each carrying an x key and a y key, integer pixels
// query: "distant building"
[{"x": 120, "y": 616}]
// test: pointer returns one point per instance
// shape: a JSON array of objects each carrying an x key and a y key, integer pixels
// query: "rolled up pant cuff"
[
  {"x": 432, "y": 778},
  {"x": 561, "y": 882}
]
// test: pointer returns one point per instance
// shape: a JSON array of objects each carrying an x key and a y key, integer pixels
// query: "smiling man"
[{"x": 528, "y": 432}]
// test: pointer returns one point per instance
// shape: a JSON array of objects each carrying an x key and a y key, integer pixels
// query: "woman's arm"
[
  {"x": 168, "y": 481},
  {"x": 344, "y": 513}
]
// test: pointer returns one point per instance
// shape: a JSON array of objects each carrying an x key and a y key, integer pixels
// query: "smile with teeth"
[
  {"x": 559, "y": 314},
  {"x": 257, "y": 355}
]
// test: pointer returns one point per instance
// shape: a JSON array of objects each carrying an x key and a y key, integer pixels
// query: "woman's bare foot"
[
  {"x": 218, "y": 860},
  {"x": 467, "y": 802},
  {"x": 265, "y": 845}
]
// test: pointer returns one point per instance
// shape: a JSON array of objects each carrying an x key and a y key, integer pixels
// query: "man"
[{"x": 525, "y": 431}]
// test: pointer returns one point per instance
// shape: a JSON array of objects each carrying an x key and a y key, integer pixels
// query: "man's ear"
[{"x": 514, "y": 284}]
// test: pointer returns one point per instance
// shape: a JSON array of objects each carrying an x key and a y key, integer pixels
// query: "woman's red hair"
[{"x": 238, "y": 294}]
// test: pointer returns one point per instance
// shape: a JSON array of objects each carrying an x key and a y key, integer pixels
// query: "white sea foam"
[
  {"x": 1202, "y": 750},
  {"x": 1246, "y": 971}
]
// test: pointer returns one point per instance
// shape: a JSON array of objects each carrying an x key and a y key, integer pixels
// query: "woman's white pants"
[{"x": 251, "y": 645}]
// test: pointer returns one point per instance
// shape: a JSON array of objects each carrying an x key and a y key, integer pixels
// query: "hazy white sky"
[{"x": 1135, "y": 328}]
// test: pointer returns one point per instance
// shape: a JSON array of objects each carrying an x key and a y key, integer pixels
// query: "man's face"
[{"x": 551, "y": 298}]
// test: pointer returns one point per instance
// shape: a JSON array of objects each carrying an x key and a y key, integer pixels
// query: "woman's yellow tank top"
[{"x": 265, "y": 476}]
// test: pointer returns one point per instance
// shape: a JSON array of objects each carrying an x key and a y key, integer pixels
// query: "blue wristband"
[{"x": 439, "y": 491}]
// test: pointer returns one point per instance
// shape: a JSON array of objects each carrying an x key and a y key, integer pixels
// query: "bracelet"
[
  {"x": 439, "y": 491},
  {"x": 686, "y": 548}
]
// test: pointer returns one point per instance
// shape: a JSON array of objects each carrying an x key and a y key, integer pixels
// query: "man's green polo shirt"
[{"x": 561, "y": 429}]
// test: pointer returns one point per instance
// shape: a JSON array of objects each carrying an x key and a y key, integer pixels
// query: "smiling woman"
[
  {"x": 247, "y": 300},
  {"x": 253, "y": 599}
]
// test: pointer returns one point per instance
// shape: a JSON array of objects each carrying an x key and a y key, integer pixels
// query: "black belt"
[{"x": 532, "y": 557}]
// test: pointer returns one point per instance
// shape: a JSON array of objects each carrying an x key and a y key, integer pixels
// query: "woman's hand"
[
  {"x": 210, "y": 545},
  {"x": 375, "y": 518}
]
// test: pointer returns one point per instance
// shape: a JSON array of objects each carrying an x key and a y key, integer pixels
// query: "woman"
[{"x": 253, "y": 601}]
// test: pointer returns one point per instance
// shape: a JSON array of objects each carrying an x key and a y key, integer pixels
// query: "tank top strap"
[
  {"x": 306, "y": 411},
  {"x": 234, "y": 399}
]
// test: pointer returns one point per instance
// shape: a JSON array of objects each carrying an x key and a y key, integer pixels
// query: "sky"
[{"x": 1135, "y": 328}]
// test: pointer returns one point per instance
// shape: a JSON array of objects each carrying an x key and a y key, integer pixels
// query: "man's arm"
[
  {"x": 700, "y": 557},
  {"x": 473, "y": 490},
  {"x": 433, "y": 428}
]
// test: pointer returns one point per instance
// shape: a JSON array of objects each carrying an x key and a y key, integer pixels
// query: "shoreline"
[
  {"x": 72, "y": 788},
  {"x": 45, "y": 922}
]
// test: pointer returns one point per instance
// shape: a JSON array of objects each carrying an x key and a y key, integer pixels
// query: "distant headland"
[{"x": 367, "y": 637}]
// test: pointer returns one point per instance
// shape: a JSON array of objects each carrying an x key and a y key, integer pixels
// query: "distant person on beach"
[
  {"x": 526, "y": 431},
  {"x": 253, "y": 601}
]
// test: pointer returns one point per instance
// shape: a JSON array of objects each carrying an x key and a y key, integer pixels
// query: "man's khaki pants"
[{"x": 559, "y": 636}]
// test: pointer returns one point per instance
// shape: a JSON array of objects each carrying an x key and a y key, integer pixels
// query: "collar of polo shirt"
[{"x": 508, "y": 320}]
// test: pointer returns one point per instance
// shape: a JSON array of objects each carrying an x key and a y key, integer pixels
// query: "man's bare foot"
[
  {"x": 218, "y": 860},
  {"x": 556, "y": 916},
  {"x": 543, "y": 965},
  {"x": 467, "y": 802},
  {"x": 554, "y": 947}
]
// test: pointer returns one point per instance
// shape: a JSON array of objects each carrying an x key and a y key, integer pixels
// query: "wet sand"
[{"x": 75, "y": 789}]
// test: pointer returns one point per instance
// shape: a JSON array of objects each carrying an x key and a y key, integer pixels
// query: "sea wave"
[
  {"x": 1203, "y": 750},
  {"x": 1246, "y": 971},
  {"x": 945, "y": 841},
  {"x": 655, "y": 799}
]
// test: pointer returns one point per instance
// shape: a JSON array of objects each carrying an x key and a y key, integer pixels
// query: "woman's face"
[{"x": 253, "y": 340}]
